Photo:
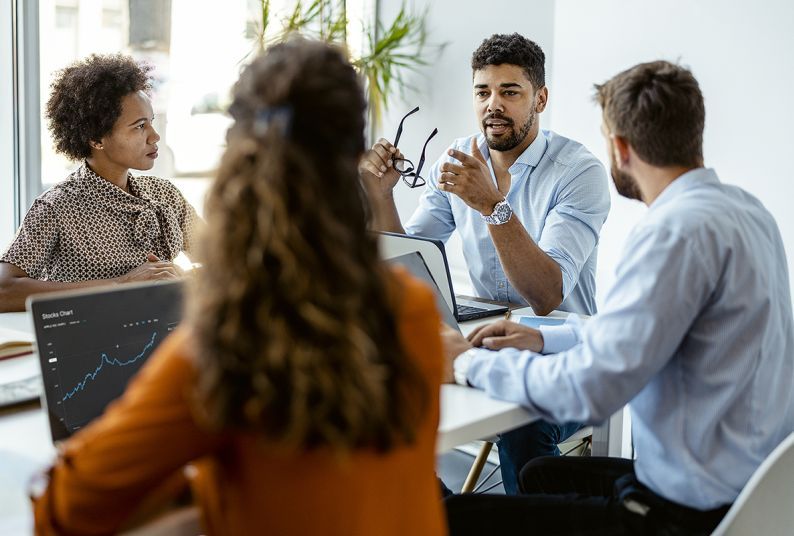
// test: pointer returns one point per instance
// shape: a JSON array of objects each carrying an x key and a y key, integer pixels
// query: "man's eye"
[
  {"x": 481, "y": 93},
  {"x": 511, "y": 93}
]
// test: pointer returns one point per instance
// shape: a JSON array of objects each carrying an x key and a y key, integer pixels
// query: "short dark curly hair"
[
  {"x": 513, "y": 49},
  {"x": 86, "y": 100}
]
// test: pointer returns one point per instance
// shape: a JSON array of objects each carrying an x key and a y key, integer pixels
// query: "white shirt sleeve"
[{"x": 557, "y": 339}]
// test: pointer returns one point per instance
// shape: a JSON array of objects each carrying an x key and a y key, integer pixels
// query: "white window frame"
[{"x": 20, "y": 131}]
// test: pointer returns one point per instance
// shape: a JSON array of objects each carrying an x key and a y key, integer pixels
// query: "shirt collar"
[
  {"x": 688, "y": 180},
  {"x": 97, "y": 183},
  {"x": 531, "y": 155}
]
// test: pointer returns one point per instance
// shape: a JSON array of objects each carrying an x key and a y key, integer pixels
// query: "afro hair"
[{"x": 86, "y": 100}]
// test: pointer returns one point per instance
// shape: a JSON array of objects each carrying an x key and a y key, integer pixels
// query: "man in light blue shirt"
[
  {"x": 696, "y": 335},
  {"x": 529, "y": 205}
]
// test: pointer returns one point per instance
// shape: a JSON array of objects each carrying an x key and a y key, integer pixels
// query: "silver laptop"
[
  {"x": 433, "y": 253},
  {"x": 91, "y": 342},
  {"x": 415, "y": 264}
]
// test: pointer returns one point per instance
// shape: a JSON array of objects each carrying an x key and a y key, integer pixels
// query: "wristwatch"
[{"x": 501, "y": 214}]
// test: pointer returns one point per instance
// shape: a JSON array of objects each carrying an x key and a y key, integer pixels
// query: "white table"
[
  {"x": 25, "y": 446},
  {"x": 17, "y": 321}
]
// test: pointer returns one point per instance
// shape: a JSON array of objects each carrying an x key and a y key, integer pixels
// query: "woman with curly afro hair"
[{"x": 102, "y": 224}]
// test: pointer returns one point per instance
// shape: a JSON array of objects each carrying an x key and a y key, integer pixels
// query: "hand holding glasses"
[{"x": 411, "y": 175}]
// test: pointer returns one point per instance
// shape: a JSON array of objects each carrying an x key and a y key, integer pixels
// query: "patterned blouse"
[{"x": 88, "y": 228}]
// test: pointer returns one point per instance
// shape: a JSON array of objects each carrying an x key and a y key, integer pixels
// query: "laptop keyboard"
[{"x": 467, "y": 312}]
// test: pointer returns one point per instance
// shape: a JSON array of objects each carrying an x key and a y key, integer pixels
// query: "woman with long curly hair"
[{"x": 303, "y": 385}]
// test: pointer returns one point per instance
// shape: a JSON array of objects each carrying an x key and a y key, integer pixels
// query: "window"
[
  {"x": 196, "y": 48},
  {"x": 8, "y": 194}
]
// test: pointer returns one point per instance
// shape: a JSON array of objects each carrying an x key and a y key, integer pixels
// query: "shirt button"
[{"x": 501, "y": 284}]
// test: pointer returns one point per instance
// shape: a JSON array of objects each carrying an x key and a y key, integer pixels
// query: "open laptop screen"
[
  {"x": 90, "y": 343},
  {"x": 415, "y": 264}
]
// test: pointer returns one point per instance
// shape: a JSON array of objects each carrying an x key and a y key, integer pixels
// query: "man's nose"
[{"x": 495, "y": 104}]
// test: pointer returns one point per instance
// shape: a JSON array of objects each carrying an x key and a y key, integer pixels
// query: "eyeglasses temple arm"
[
  {"x": 400, "y": 127},
  {"x": 422, "y": 156}
]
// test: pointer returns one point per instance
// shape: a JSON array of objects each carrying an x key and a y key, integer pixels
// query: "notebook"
[
  {"x": 14, "y": 343},
  {"x": 91, "y": 342},
  {"x": 435, "y": 257}
]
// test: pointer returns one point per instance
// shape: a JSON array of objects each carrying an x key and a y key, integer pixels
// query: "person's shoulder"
[
  {"x": 61, "y": 193},
  {"x": 175, "y": 356},
  {"x": 415, "y": 297},
  {"x": 567, "y": 152}
]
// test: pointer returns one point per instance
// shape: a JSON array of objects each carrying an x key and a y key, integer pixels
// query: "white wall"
[
  {"x": 444, "y": 90},
  {"x": 740, "y": 53}
]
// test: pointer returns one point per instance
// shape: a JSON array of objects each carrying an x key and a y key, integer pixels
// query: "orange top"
[{"x": 244, "y": 484}]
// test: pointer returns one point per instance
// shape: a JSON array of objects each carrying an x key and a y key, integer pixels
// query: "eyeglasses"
[{"x": 411, "y": 176}]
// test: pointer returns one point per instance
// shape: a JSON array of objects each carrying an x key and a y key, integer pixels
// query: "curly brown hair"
[
  {"x": 293, "y": 311},
  {"x": 86, "y": 100}
]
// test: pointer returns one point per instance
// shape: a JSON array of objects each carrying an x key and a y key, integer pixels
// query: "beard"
[
  {"x": 511, "y": 139},
  {"x": 624, "y": 183}
]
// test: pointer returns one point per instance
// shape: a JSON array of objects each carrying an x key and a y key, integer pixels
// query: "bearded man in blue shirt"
[
  {"x": 696, "y": 336},
  {"x": 528, "y": 203}
]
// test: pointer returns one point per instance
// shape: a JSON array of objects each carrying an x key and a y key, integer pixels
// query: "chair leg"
[{"x": 476, "y": 468}]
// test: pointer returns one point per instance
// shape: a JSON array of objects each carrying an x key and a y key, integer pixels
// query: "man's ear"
[
  {"x": 95, "y": 145},
  {"x": 541, "y": 99},
  {"x": 621, "y": 148}
]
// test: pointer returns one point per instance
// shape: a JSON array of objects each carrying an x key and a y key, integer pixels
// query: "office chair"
[{"x": 765, "y": 504}]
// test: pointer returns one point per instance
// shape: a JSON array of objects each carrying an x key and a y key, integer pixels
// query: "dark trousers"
[
  {"x": 577, "y": 496},
  {"x": 518, "y": 447}
]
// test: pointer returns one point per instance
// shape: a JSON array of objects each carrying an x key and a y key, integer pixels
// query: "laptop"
[
  {"x": 435, "y": 257},
  {"x": 91, "y": 342},
  {"x": 415, "y": 264}
]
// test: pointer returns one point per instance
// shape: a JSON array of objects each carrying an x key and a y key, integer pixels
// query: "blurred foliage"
[{"x": 391, "y": 51}]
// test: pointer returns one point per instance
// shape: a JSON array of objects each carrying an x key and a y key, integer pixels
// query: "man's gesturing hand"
[
  {"x": 506, "y": 334},
  {"x": 470, "y": 180}
]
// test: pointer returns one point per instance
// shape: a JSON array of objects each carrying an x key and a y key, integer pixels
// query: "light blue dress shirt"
[
  {"x": 560, "y": 193},
  {"x": 696, "y": 333}
]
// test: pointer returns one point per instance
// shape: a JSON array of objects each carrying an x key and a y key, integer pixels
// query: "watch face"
[{"x": 503, "y": 212}]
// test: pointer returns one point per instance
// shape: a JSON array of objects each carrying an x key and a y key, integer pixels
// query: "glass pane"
[
  {"x": 7, "y": 199},
  {"x": 197, "y": 48}
]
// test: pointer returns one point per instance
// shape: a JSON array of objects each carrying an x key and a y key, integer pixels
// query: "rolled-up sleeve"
[
  {"x": 572, "y": 226},
  {"x": 35, "y": 241}
]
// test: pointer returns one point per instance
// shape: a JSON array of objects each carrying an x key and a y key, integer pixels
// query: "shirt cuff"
[
  {"x": 461, "y": 366},
  {"x": 557, "y": 339}
]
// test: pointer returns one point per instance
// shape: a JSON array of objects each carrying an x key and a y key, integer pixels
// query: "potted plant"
[{"x": 389, "y": 52}]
